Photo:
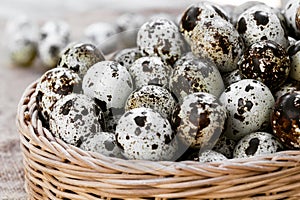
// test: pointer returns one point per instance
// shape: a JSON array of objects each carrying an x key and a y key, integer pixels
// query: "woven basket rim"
[{"x": 44, "y": 147}]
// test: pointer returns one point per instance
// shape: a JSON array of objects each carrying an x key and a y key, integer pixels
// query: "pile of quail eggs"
[{"x": 216, "y": 84}]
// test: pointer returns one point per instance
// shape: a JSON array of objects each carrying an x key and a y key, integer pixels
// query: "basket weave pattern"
[{"x": 56, "y": 170}]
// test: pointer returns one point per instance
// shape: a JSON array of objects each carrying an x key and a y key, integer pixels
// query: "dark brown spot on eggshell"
[
  {"x": 190, "y": 17},
  {"x": 261, "y": 18},
  {"x": 242, "y": 26},
  {"x": 140, "y": 120},
  {"x": 252, "y": 148}
]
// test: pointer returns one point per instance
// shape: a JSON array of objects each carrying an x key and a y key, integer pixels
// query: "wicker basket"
[{"x": 56, "y": 170}]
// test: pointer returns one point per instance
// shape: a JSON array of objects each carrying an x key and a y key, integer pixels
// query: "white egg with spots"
[
  {"x": 143, "y": 134},
  {"x": 52, "y": 86},
  {"x": 149, "y": 70},
  {"x": 154, "y": 97},
  {"x": 160, "y": 37},
  {"x": 101, "y": 142},
  {"x": 292, "y": 15},
  {"x": 257, "y": 143},
  {"x": 199, "y": 120},
  {"x": 261, "y": 22},
  {"x": 74, "y": 117},
  {"x": 192, "y": 74},
  {"x": 54, "y": 37},
  {"x": 211, "y": 156},
  {"x": 110, "y": 83},
  {"x": 79, "y": 57},
  {"x": 126, "y": 57},
  {"x": 294, "y": 53},
  {"x": 249, "y": 104}
]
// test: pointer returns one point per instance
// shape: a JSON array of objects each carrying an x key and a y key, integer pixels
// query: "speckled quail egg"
[
  {"x": 292, "y": 16},
  {"x": 149, "y": 70},
  {"x": 267, "y": 62},
  {"x": 257, "y": 143},
  {"x": 294, "y": 53},
  {"x": 199, "y": 120},
  {"x": 74, "y": 117},
  {"x": 128, "y": 25},
  {"x": 110, "y": 83},
  {"x": 53, "y": 85},
  {"x": 239, "y": 9},
  {"x": 192, "y": 74},
  {"x": 259, "y": 23},
  {"x": 22, "y": 37},
  {"x": 285, "y": 119},
  {"x": 160, "y": 37},
  {"x": 225, "y": 146},
  {"x": 143, "y": 133},
  {"x": 103, "y": 35},
  {"x": 54, "y": 37},
  {"x": 288, "y": 86},
  {"x": 79, "y": 57},
  {"x": 232, "y": 77},
  {"x": 249, "y": 104},
  {"x": 211, "y": 36},
  {"x": 211, "y": 156},
  {"x": 152, "y": 96},
  {"x": 126, "y": 57},
  {"x": 101, "y": 142}
]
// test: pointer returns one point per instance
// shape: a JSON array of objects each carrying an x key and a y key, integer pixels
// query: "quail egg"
[
  {"x": 211, "y": 36},
  {"x": 294, "y": 53},
  {"x": 53, "y": 85},
  {"x": 103, "y": 35},
  {"x": 54, "y": 37},
  {"x": 126, "y": 57},
  {"x": 74, "y": 117},
  {"x": 22, "y": 37},
  {"x": 267, "y": 62},
  {"x": 249, "y": 104},
  {"x": 285, "y": 119},
  {"x": 101, "y": 142},
  {"x": 199, "y": 120},
  {"x": 143, "y": 134},
  {"x": 79, "y": 57},
  {"x": 160, "y": 37},
  {"x": 259, "y": 23},
  {"x": 192, "y": 74},
  {"x": 110, "y": 83},
  {"x": 225, "y": 146},
  {"x": 149, "y": 70},
  {"x": 257, "y": 143},
  {"x": 152, "y": 96},
  {"x": 292, "y": 16},
  {"x": 211, "y": 156}
]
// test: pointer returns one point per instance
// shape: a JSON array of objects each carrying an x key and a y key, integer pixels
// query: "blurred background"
[{"x": 13, "y": 79}]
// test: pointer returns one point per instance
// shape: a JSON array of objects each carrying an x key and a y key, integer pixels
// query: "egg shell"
[
  {"x": 149, "y": 70},
  {"x": 79, "y": 57},
  {"x": 257, "y": 143},
  {"x": 52, "y": 86},
  {"x": 192, "y": 74},
  {"x": 144, "y": 134},
  {"x": 232, "y": 77},
  {"x": 74, "y": 117},
  {"x": 154, "y": 97},
  {"x": 285, "y": 119},
  {"x": 160, "y": 37},
  {"x": 225, "y": 146},
  {"x": 103, "y": 35},
  {"x": 126, "y": 57},
  {"x": 21, "y": 39},
  {"x": 199, "y": 120},
  {"x": 291, "y": 13},
  {"x": 259, "y": 23},
  {"x": 249, "y": 104},
  {"x": 211, "y": 156},
  {"x": 101, "y": 142},
  {"x": 294, "y": 54},
  {"x": 54, "y": 37},
  {"x": 110, "y": 83},
  {"x": 267, "y": 62},
  {"x": 211, "y": 36}
]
